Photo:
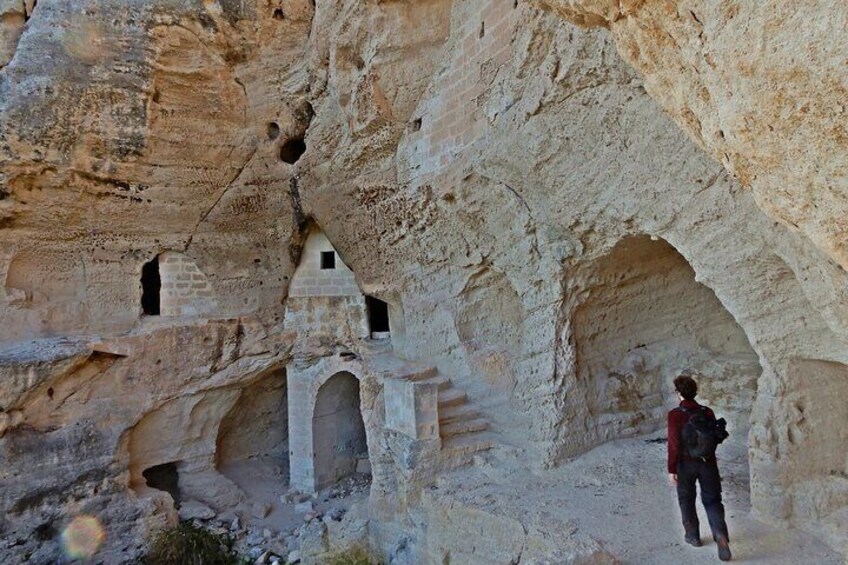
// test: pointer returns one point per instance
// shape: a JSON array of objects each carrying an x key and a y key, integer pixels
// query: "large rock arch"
[{"x": 641, "y": 320}]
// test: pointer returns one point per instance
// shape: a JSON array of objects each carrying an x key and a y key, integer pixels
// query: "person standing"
[{"x": 693, "y": 433}]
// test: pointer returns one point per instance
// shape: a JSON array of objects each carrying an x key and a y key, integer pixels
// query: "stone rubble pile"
[{"x": 319, "y": 532}]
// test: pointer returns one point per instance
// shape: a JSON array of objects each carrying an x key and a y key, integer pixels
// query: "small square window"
[{"x": 328, "y": 260}]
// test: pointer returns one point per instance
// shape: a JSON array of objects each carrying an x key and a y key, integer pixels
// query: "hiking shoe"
[
  {"x": 693, "y": 540},
  {"x": 723, "y": 550}
]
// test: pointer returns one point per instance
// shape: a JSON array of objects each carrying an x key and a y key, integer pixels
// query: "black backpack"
[{"x": 702, "y": 434}]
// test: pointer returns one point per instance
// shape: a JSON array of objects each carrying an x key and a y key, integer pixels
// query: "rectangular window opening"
[{"x": 328, "y": 260}]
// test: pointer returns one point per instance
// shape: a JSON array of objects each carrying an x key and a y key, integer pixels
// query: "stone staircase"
[{"x": 462, "y": 428}]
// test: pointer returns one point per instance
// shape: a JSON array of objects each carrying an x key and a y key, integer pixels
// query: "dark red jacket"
[{"x": 676, "y": 420}]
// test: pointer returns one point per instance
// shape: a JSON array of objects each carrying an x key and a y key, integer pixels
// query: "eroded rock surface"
[
  {"x": 759, "y": 85},
  {"x": 551, "y": 249}
]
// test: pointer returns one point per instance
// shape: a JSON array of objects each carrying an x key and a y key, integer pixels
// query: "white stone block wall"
[
  {"x": 412, "y": 408},
  {"x": 311, "y": 280},
  {"x": 304, "y": 382},
  {"x": 185, "y": 289}
]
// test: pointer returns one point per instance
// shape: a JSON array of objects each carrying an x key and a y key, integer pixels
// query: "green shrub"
[
  {"x": 354, "y": 556},
  {"x": 187, "y": 544}
]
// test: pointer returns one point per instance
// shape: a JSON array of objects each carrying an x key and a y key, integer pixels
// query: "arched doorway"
[{"x": 338, "y": 431}]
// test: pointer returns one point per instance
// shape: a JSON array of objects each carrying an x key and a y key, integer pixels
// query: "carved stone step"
[
  {"x": 459, "y": 427},
  {"x": 468, "y": 444},
  {"x": 457, "y": 413},
  {"x": 451, "y": 397},
  {"x": 443, "y": 382},
  {"x": 422, "y": 375}
]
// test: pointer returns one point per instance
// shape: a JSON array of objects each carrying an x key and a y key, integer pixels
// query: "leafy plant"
[{"x": 187, "y": 544}]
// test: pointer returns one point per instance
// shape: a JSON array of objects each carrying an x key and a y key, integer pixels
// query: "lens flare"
[{"x": 83, "y": 537}]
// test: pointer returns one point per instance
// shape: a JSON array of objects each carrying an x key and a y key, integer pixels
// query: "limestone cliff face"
[
  {"x": 759, "y": 85},
  {"x": 485, "y": 168}
]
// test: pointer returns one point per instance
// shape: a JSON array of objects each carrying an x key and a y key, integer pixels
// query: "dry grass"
[
  {"x": 187, "y": 544},
  {"x": 355, "y": 555}
]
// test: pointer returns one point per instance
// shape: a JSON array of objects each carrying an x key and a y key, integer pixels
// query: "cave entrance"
[
  {"x": 378, "y": 317},
  {"x": 151, "y": 286},
  {"x": 164, "y": 477},
  {"x": 644, "y": 321},
  {"x": 253, "y": 439},
  {"x": 338, "y": 431}
]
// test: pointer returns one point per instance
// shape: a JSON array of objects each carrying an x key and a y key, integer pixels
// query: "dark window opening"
[
  {"x": 292, "y": 150},
  {"x": 273, "y": 130},
  {"x": 378, "y": 315},
  {"x": 151, "y": 284},
  {"x": 279, "y": 15},
  {"x": 328, "y": 260},
  {"x": 164, "y": 477},
  {"x": 416, "y": 124}
]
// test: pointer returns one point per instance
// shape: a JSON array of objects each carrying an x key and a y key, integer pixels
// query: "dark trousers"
[{"x": 706, "y": 473}]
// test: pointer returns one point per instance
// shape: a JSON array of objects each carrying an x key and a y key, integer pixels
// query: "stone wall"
[
  {"x": 312, "y": 279},
  {"x": 185, "y": 289}
]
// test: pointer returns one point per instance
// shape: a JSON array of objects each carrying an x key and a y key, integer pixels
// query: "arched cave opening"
[
  {"x": 164, "y": 477},
  {"x": 292, "y": 150},
  {"x": 253, "y": 438},
  {"x": 151, "y": 286},
  {"x": 339, "y": 443},
  {"x": 645, "y": 320},
  {"x": 378, "y": 317}
]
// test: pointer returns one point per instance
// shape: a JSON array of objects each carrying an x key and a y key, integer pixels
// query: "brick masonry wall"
[
  {"x": 185, "y": 289},
  {"x": 456, "y": 118},
  {"x": 310, "y": 280}
]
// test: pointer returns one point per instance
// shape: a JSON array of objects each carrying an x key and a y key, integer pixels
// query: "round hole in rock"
[
  {"x": 292, "y": 150},
  {"x": 279, "y": 15},
  {"x": 273, "y": 130}
]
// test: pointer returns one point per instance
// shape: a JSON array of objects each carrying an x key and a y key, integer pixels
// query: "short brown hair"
[{"x": 686, "y": 386}]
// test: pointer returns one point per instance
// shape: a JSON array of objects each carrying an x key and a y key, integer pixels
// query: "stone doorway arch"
[
  {"x": 328, "y": 440},
  {"x": 338, "y": 431}
]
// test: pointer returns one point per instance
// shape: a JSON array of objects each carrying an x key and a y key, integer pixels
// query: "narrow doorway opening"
[
  {"x": 378, "y": 317},
  {"x": 338, "y": 432},
  {"x": 151, "y": 285}
]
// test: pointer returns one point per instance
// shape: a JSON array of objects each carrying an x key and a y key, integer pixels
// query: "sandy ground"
[{"x": 619, "y": 495}]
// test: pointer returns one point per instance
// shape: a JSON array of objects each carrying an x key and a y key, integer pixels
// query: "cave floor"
[{"x": 619, "y": 495}]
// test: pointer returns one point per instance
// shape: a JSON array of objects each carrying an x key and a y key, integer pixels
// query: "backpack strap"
[{"x": 691, "y": 411}]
